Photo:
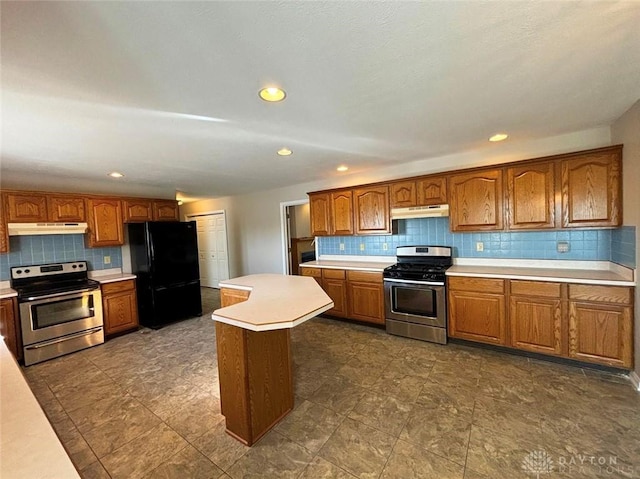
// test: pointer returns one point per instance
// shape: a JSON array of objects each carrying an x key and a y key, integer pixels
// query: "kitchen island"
[{"x": 253, "y": 336}]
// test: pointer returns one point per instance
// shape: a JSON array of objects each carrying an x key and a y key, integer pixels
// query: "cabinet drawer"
[
  {"x": 365, "y": 276},
  {"x": 333, "y": 273},
  {"x": 607, "y": 294},
  {"x": 314, "y": 272},
  {"x": 535, "y": 288},
  {"x": 476, "y": 284},
  {"x": 118, "y": 286}
]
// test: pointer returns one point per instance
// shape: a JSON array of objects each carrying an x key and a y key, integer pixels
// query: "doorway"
[
  {"x": 213, "y": 255},
  {"x": 298, "y": 245}
]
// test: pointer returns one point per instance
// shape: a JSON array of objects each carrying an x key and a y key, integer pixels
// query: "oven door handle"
[
  {"x": 55, "y": 295},
  {"x": 64, "y": 338},
  {"x": 410, "y": 281}
]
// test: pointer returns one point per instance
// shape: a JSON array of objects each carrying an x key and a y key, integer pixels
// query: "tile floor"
[{"x": 368, "y": 405}]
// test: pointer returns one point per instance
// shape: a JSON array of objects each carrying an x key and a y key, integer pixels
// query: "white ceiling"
[{"x": 167, "y": 92}]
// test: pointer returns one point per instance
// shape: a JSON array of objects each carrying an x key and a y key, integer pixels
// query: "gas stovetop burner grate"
[{"x": 420, "y": 263}]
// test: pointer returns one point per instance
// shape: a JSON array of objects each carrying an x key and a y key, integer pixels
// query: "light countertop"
[
  {"x": 103, "y": 277},
  {"x": 347, "y": 264},
  {"x": 28, "y": 445},
  {"x": 112, "y": 278},
  {"x": 560, "y": 275},
  {"x": 112, "y": 275},
  {"x": 7, "y": 293},
  {"x": 275, "y": 302}
]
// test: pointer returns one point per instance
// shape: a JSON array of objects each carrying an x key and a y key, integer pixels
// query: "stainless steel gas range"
[
  {"x": 60, "y": 309},
  {"x": 415, "y": 296}
]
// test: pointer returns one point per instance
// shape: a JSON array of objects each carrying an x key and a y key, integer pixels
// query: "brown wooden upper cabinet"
[
  {"x": 531, "y": 196},
  {"x": 476, "y": 201},
  {"x": 64, "y": 208},
  {"x": 104, "y": 216},
  {"x": 432, "y": 190},
  {"x": 371, "y": 210},
  {"x": 591, "y": 189},
  {"x": 341, "y": 213},
  {"x": 165, "y": 210},
  {"x": 137, "y": 210},
  {"x": 26, "y": 207},
  {"x": 331, "y": 213},
  {"x": 403, "y": 194},
  {"x": 320, "y": 214}
]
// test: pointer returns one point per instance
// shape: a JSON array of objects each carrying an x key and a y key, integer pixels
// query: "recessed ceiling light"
[
  {"x": 284, "y": 152},
  {"x": 115, "y": 174},
  {"x": 272, "y": 93},
  {"x": 499, "y": 137},
  {"x": 342, "y": 168}
]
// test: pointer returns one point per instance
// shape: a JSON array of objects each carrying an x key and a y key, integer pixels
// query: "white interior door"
[{"x": 212, "y": 249}]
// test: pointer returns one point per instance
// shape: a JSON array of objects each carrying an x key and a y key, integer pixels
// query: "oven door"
[
  {"x": 57, "y": 315},
  {"x": 415, "y": 302}
]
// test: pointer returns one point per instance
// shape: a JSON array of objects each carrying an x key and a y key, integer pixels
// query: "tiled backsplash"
[
  {"x": 623, "y": 246},
  {"x": 605, "y": 245},
  {"x": 31, "y": 250}
]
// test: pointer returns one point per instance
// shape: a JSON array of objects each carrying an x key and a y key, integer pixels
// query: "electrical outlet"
[
  {"x": 479, "y": 246},
  {"x": 385, "y": 246},
  {"x": 106, "y": 260},
  {"x": 361, "y": 246},
  {"x": 562, "y": 246},
  {"x": 341, "y": 246}
]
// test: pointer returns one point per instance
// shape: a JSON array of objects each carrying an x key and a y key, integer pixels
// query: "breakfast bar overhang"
[{"x": 253, "y": 337}]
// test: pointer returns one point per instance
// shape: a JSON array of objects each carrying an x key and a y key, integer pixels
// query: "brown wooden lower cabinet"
[
  {"x": 477, "y": 317},
  {"x": 536, "y": 324},
  {"x": 366, "y": 296},
  {"x": 477, "y": 310},
  {"x": 356, "y": 295},
  {"x": 315, "y": 273},
  {"x": 120, "y": 306},
  {"x": 601, "y": 333},
  {"x": 336, "y": 289},
  {"x": 590, "y": 323},
  {"x": 10, "y": 326},
  {"x": 535, "y": 317},
  {"x": 255, "y": 372}
]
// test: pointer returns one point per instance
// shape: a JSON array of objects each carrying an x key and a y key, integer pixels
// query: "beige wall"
[
  {"x": 233, "y": 215},
  {"x": 626, "y": 130}
]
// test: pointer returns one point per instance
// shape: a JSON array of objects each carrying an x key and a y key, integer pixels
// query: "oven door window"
[
  {"x": 417, "y": 301},
  {"x": 63, "y": 311}
]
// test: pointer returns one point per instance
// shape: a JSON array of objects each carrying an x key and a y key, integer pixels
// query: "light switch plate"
[
  {"x": 479, "y": 246},
  {"x": 341, "y": 246},
  {"x": 106, "y": 260},
  {"x": 361, "y": 246},
  {"x": 562, "y": 247},
  {"x": 385, "y": 246}
]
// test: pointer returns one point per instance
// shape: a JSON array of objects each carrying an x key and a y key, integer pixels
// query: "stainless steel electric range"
[
  {"x": 415, "y": 294},
  {"x": 60, "y": 309}
]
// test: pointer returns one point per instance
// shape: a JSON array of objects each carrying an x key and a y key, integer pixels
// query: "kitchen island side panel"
[{"x": 256, "y": 375}]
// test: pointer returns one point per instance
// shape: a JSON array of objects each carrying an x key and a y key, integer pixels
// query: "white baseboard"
[{"x": 635, "y": 380}]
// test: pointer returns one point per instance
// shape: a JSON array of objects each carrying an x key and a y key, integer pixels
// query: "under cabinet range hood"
[
  {"x": 419, "y": 212},
  {"x": 29, "y": 229}
]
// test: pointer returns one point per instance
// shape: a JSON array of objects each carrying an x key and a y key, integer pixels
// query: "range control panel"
[{"x": 20, "y": 272}]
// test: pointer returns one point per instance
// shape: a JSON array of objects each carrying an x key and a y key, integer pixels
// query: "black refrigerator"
[{"x": 164, "y": 258}]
